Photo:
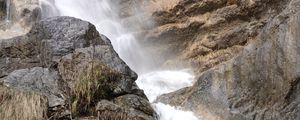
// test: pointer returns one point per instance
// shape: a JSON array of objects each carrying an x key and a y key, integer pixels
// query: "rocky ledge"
[{"x": 63, "y": 69}]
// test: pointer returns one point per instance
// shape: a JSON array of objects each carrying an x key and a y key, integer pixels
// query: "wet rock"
[{"x": 261, "y": 83}]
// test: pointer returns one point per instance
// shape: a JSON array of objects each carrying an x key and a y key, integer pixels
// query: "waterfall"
[
  {"x": 7, "y": 18},
  {"x": 105, "y": 17}
]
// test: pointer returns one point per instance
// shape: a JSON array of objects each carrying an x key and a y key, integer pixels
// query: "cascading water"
[
  {"x": 105, "y": 18},
  {"x": 7, "y": 18}
]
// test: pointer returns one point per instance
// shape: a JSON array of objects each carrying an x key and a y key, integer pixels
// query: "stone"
[
  {"x": 71, "y": 66},
  {"x": 138, "y": 106},
  {"x": 46, "y": 43},
  {"x": 260, "y": 83},
  {"x": 39, "y": 80},
  {"x": 202, "y": 34},
  {"x": 75, "y": 67}
]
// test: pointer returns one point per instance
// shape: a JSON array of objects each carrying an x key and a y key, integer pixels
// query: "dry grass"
[
  {"x": 20, "y": 105},
  {"x": 93, "y": 85}
]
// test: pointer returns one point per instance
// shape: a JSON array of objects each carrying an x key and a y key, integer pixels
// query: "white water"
[
  {"x": 7, "y": 18},
  {"x": 160, "y": 82},
  {"x": 105, "y": 17}
]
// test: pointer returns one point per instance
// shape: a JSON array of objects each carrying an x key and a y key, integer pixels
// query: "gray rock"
[
  {"x": 46, "y": 43},
  {"x": 39, "y": 80},
  {"x": 137, "y": 106},
  {"x": 131, "y": 106},
  {"x": 105, "y": 105},
  {"x": 261, "y": 83},
  {"x": 59, "y": 36},
  {"x": 71, "y": 66},
  {"x": 66, "y": 59}
]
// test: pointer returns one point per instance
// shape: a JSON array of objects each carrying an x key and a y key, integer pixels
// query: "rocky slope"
[
  {"x": 245, "y": 52},
  {"x": 63, "y": 69}
]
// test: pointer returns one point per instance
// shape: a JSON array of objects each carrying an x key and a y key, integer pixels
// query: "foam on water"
[
  {"x": 105, "y": 18},
  {"x": 160, "y": 82},
  {"x": 172, "y": 112},
  {"x": 157, "y": 83}
]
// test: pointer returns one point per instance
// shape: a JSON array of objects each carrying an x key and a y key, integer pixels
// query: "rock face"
[
  {"x": 205, "y": 33},
  {"x": 40, "y": 80},
  {"x": 260, "y": 83},
  {"x": 75, "y": 68}
]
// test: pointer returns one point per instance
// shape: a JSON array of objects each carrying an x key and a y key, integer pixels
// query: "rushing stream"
[{"x": 102, "y": 14}]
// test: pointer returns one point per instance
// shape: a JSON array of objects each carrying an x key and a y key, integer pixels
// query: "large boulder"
[
  {"x": 261, "y": 83},
  {"x": 46, "y": 43},
  {"x": 69, "y": 62}
]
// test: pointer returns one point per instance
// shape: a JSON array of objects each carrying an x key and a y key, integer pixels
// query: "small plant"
[{"x": 94, "y": 84}]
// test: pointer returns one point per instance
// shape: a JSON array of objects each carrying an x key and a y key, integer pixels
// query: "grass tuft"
[
  {"x": 93, "y": 85},
  {"x": 22, "y": 105}
]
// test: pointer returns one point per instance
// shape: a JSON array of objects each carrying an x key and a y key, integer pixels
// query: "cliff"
[{"x": 245, "y": 53}]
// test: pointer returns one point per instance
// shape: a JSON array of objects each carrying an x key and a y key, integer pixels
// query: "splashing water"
[
  {"x": 105, "y": 18},
  {"x": 160, "y": 82}
]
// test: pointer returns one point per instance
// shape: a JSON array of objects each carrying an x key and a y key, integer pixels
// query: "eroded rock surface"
[
  {"x": 205, "y": 33},
  {"x": 260, "y": 83}
]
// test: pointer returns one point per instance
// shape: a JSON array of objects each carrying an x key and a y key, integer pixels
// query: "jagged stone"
[{"x": 68, "y": 61}]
